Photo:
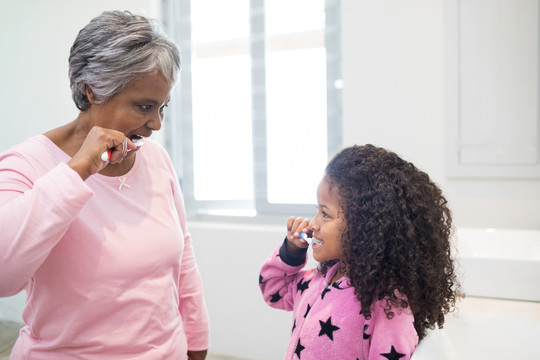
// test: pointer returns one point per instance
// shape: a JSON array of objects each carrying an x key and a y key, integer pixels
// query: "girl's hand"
[
  {"x": 295, "y": 226},
  {"x": 87, "y": 161}
]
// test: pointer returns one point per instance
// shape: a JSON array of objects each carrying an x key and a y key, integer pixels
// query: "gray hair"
[{"x": 115, "y": 49}]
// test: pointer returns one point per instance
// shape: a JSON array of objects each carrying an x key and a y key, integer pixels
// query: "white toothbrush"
[
  {"x": 310, "y": 240},
  {"x": 106, "y": 156}
]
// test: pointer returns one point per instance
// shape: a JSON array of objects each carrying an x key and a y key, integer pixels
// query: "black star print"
[
  {"x": 336, "y": 285},
  {"x": 324, "y": 292},
  {"x": 307, "y": 311},
  {"x": 327, "y": 328},
  {"x": 393, "y": 355},
  {"x": 275, "y": 297},
  {"x": 299, "y": 348},
  {"x": 260, "y": 279},
  {"x": 301, "y": 286},
  {"x": 366, "y": 335},
  {"x": 294, "y": 326}
]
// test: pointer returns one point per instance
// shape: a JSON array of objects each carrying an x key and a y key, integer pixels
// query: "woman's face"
[
  {"x": 137, "y": 111},
  {"x": 328, "y": 224}
]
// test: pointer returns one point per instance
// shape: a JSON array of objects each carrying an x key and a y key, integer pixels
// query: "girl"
[{"x": 382, "y": 237}]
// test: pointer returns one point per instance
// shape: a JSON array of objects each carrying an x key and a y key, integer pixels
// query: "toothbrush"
[
  {"x": 106, "y": 156},
  {"x": 310, "y": 240}
]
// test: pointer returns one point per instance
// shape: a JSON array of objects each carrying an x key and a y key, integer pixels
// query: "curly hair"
[{"x": 397, "y": 240}]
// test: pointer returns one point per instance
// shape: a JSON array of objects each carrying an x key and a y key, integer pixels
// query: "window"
[{"x": 257, "y": 110}]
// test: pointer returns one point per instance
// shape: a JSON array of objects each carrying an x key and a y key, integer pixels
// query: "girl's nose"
[{"x": 313, "y": 224}]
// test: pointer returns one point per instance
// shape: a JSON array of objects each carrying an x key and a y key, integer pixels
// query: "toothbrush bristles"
[{"x": 309, "y": 240}]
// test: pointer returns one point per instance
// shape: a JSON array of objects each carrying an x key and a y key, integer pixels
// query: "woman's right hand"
[
  {"x": 87, "y": 161},
  {"x": 295, "y": 226}
]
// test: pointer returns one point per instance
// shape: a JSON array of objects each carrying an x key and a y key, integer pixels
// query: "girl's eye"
[
  {"x": 324, "y": 215},
  {"x": 145, "y": 108}
]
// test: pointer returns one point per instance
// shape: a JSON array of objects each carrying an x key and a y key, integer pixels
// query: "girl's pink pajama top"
[{"x": 327, "y": 323}]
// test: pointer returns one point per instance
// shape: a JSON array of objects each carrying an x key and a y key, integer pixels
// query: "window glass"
[
  {"x": 221, "y": 100},
  {"x": 295, "y": 99}
]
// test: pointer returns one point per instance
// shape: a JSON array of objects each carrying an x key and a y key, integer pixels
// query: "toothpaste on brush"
[
  {"x": 310, "y": 240},
  {"x": 106, "y": 156}
]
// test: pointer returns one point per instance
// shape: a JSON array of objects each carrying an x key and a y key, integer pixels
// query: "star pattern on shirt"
[
  {"x": 302, "y": 286},
  {"x": 327, "y": 328},
  {"x": 275, "y": 297},
  {"x": 326, "y": 289},
  {"x": 307, "y": 310},
  {"x": 393, "y": 354},
  {"x": 365, "y": 334},
  {"x": 260, "y": 279},
  {"x": 294, "y": 326},
  {"x": 299, "y": 348}
]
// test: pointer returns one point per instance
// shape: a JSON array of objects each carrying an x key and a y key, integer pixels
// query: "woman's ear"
[{"x": 89, "y": 94}]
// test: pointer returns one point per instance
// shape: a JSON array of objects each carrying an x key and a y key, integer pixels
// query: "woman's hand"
[
  {"x": 197, "y": 355},
  {"x": 295, "y": 226},
  {"x": 87, "y": 161}
]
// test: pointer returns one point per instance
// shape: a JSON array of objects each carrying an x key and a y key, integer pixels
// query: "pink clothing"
[
  {"x": 107, "y": 263},
  {"x": 327, "y": 323}
]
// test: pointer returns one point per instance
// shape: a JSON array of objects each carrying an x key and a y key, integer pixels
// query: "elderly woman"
[{"x": 93, "y": 223}]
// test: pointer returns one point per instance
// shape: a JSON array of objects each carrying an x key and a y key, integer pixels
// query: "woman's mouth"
[{"x": 137, "y": 140}]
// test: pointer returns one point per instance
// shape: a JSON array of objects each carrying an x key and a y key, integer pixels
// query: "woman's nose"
[{"x": 155, "y": 122}]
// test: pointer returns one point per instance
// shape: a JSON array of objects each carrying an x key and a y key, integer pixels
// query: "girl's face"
[{"x": 328, "y": 224}]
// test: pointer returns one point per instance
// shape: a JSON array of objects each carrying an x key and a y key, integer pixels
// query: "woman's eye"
[
  {"x": 325, "y": 215},
  {"x": 145, "y": 108}
]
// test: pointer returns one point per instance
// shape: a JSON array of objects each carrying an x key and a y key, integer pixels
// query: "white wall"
[
  {"x": 229, "y": 257},
  {"x": 36, "y": 37},
  {"x": 393, "y": 70},
  {"x": 393, "y": 97}
]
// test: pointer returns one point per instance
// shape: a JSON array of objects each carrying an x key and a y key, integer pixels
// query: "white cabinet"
[{"x": 492, "y": 88}]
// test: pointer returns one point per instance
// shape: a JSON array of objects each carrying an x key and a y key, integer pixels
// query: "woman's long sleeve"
[
  {"x": 191, "y": 301},
  {"x": 34, "y": 214}
]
